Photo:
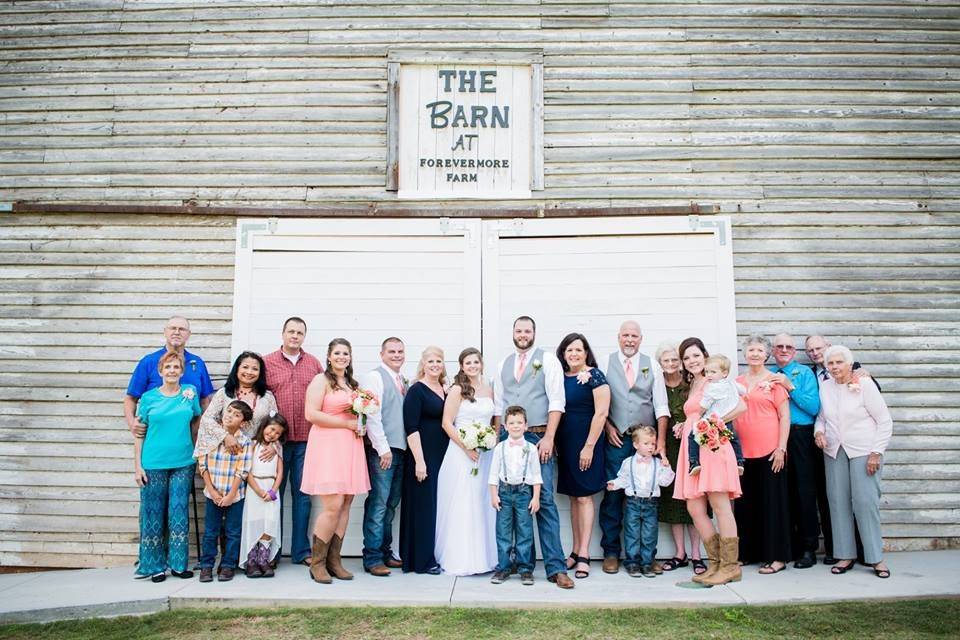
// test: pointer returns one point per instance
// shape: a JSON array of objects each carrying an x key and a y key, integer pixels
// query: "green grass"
[{"x": 859, "y": 620}]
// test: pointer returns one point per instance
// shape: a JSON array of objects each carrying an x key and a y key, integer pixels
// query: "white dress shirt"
[
  {"x": 515, "y": 464},
  {"x": 661, "y": 408},
  {"x": 552, "y": 381},
  {"x": 373, "y": 382},
  {"x": 648, "y": 476}
]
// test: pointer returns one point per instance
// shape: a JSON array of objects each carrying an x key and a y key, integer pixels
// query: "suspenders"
[
  {"x": 526, "y": 458},
  {"x": 633, "y": 478}
]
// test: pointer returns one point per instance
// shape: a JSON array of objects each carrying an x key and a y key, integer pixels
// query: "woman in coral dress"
[
  {"x": 334, "y": 466},
  {"x": 717, "y": 483}
]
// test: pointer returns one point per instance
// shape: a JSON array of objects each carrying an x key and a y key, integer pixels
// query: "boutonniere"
[
  {"x": 537, "y": 365},
  {"x": 404, "y": 380},
  {"x": 188, "y": 394},
  {"x": 645, "y": 371},
  {"x": 583, "y": 377},
  {"x": 795, "y": 373},
  {"x": 526, "y": 449},
  {"x": 854, "y": 387},
  {"x": 765, "y": 385}
]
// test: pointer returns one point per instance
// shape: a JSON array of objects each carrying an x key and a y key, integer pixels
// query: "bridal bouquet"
[
  {"x": 712, "y": 432},
  {"x": 362, "y": 404},
  {"x": 479, "y": 436}
]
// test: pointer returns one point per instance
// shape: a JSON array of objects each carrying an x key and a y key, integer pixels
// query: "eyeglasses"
[{"x": 785, "y": 347}]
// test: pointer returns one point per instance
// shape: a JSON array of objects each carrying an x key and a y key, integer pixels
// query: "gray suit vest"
[
  {"x": 530, "y": 393},
  {"x": 391, "y": 412},
  {"x": 635, "y": 405}
]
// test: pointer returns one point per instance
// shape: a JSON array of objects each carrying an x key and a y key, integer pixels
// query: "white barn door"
[
  {"x": 672, "y": 275},
  {"x": 458, "y": 283},
  {"x": 363, "y": 280}
]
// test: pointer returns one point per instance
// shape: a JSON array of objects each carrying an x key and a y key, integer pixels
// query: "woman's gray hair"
[
  {"x": 663, "y": 347},
  {"x": 838, "y": 349},
  {"x": 756, "y": 338}
]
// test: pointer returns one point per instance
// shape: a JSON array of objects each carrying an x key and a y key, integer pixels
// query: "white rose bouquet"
[
  {"x": 362, "y": 404},
  {"x": 480, "y": 437}
]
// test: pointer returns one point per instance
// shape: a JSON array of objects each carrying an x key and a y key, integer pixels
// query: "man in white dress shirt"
[
  {"x": 638, "y": 396},
  {"x": 385, "y": 451},
  {"x": 533, "y": 379}
]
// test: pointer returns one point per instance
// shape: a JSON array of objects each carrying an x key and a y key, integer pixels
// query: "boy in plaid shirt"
[{"x": 224, "y": 480}]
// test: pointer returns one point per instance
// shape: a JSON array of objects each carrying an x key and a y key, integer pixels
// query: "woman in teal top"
[{"x": 163, "y": 464}]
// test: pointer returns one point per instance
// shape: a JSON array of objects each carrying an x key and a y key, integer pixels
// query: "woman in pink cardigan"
[{"x": 853, "y": 429}]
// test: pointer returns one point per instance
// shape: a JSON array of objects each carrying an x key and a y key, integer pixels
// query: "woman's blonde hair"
[
  {"x": 432, "y": 350},
  {"x": 167, "y": 357}
]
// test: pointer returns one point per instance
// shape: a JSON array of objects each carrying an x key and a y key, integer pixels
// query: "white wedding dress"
[{"x": 466, "y": 523}]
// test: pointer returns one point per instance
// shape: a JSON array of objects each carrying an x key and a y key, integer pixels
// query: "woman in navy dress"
[
  {"x": 426, "y": 444},
  {"x": 580, "y": 461}
]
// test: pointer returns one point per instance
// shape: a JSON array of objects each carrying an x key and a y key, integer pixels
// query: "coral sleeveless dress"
[
  {"x": 334, "y": 462},
  {"x": 718, "y": 469}
]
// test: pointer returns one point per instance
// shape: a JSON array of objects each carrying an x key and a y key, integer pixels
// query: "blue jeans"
[
  {"x": 229, "y": 521},
  {"x": 640, "y": 531},
  {"x": 293, "y": 453},
  {"x": 380, "y": 506},
  {"x": 611, "y": 507},
  {"x": 515, "y": 527},
  {"x": 548, "y": 518},
  {"x": 165, "y": 520}
]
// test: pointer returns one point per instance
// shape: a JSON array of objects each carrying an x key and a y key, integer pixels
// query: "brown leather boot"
[
  {"x": 318, "y": 561},
  {"x": 334, "y": 565},
  {"x": 712, "y": 545},
  {"x": 729, "y": 564}
]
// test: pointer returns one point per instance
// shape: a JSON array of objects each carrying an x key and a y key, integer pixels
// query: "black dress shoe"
[
  {"x": 806, "y": 561},
  {"x": 435, "y": 570},
  {"x": 829, "y": 560}
]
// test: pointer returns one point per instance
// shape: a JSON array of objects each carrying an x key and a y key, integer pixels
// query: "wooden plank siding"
[{"x": 828, "y": 130}]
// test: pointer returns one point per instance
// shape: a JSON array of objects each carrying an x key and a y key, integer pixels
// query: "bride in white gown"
[{"x": 466, "y": 523}]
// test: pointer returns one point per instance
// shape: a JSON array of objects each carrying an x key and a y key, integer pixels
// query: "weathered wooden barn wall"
[{"x": 828, "y": 130}]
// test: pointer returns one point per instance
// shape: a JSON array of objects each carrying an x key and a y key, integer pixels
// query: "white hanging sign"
[{"x": 465, "y": 131}]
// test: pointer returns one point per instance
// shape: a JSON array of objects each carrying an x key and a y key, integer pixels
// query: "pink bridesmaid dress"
[
  {"x": 335, "y": 462},
  {"x": 718, "y": 469}
]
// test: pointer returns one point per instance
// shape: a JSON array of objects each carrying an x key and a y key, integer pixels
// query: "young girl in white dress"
[
  {"x": 466, "y": 541},
  {"x": 260, "y": 538}
]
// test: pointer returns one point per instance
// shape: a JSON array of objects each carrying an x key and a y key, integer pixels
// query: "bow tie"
[{"x": 519, "y": 442}]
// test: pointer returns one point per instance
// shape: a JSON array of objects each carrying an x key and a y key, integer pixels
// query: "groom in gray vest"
[
  {"x": 385, "y": 451},
  {"x": 533, "y": 378},
  {"x": 638, "y": 396}
]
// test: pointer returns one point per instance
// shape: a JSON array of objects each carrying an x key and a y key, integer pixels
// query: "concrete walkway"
[{"x": 58, "y": 595}]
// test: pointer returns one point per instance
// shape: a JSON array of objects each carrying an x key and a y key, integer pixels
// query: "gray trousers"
[{"x": 854, "y": 493}]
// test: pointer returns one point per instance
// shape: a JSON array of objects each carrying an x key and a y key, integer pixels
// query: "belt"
[
  {"x": 801, "y": 426},
  {"x": 265, "y": 477},
  {"x": 538, "y": 429}
]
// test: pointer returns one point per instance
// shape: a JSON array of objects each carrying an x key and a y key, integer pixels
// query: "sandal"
[
  {"x": 768, "y": 570},
  {"x": 881, "y": 573},
  {"x": 676, "y": 563},
  {"x": 699, "y": 567},
  {"x": 580, "y": 573},
  {"x": 839, "y": 569},
  {"x": 571, "y": 561}
]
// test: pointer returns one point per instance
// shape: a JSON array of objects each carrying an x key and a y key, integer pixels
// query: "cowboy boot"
[
  {"x": 712, "y": 546},
  {"x": 265, "y": 563},
  {"x": 252, "y": 568},
  {"x": 318, "y": 561},
  {"x": 729, "y": 565},
  {"x": 334, "y": 565}
]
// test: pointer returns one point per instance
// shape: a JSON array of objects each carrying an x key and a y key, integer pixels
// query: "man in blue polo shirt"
[
  {"x": 804, "y": 458},
  {"x": 146, "y": 376}
]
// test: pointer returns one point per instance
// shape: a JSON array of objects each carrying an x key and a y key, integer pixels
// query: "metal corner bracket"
[{"x": 697, "y": 223}]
